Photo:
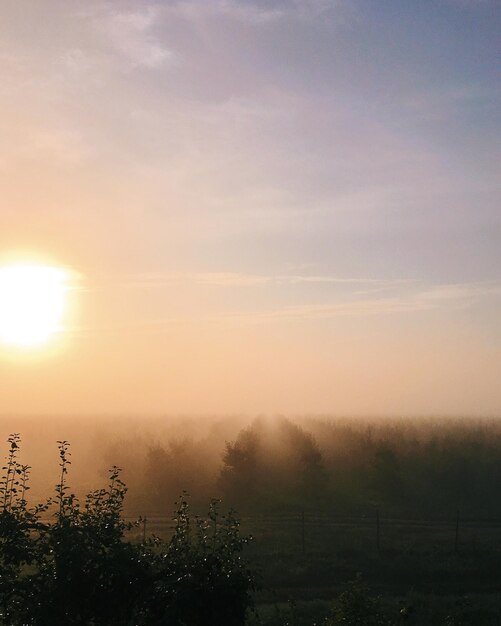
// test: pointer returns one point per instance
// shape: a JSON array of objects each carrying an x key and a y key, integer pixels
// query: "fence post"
[
  {"x": 456, "y": 536},
  {"x": 302, "y": 532},
  {"x": 378, "y": 532}
]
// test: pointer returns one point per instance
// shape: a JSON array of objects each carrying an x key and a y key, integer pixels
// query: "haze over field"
[{"x": 264, "y": 206}]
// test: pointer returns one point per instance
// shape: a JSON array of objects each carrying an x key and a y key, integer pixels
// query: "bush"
[
  {"x": 356, "y": 606},
  {"x": 78, "y": 568}
]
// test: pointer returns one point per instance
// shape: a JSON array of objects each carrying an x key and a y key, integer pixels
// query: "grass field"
[{"x": 441, "y": 568}]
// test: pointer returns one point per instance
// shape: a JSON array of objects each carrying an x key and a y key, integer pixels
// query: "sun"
[{"x": 32, "y": 303}]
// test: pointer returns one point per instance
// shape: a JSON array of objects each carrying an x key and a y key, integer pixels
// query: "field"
[{"x": 425, "y": 570}]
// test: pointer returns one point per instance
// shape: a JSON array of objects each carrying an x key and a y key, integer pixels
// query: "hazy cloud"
[
  {"x": 256, "y": 11},
  {"x": 130, "y": 35}
]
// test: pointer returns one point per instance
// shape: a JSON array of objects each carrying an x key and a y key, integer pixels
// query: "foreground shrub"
[{"x": 78, "y": 568}]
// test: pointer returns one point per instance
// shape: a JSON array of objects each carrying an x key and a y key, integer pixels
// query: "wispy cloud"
[
  {"x": 247, "y": 12},
  {"x": 236, "y": 279},
  {"x": 130, "y": 35},
  {"x": 410, "y": 301},
  {"x": 353, "y": 297},
  {"x": 256, "y": 12}
]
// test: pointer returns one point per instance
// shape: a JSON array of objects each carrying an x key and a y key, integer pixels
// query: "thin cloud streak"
[
  {"x": 440, "y": 297},
  {"x": 411, "y": 299},
  {"x": 235, "y": 279},
  {"x": 258, "y": 13}
]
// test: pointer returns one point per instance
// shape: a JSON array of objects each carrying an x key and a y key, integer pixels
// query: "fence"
[{"x": 309, "y": 532}]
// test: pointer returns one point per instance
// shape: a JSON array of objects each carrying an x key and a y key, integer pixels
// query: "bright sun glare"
[{"x": 32, "y": 303}]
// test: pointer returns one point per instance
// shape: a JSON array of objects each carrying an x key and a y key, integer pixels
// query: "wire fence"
[{"x": 312, "y": 532}]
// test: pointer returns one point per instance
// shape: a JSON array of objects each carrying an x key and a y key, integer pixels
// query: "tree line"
[{"x": 424, "y": 467}]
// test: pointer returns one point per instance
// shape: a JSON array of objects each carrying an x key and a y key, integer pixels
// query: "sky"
[{"x": 282, "y": 206}]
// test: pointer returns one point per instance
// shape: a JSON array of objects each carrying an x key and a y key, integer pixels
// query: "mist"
[{"x": 407, "y": 466}]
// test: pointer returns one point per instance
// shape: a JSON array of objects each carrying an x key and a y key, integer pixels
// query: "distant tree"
[
  {"x": 387, "y": 475},
  {"x": 241, "y": 459},
  {"x": 305, "y": 461},
  {"x": 274, "y": 465}
]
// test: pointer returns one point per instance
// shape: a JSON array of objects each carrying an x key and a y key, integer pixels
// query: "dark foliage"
[
  {"x": 406, "y": 467},
  {"x": 277, "y": 464},
  {"x": 78, "y": 567},
  {"x": 357, "y": 606}
]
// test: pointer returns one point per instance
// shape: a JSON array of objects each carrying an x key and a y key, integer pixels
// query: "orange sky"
[{"x": 267, "y": 207}]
